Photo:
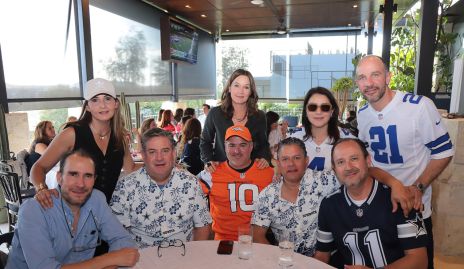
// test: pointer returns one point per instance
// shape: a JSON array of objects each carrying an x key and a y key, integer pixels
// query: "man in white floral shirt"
[
  {"x": 160, "y": 202},
  {"x": 291, "y": 205}
]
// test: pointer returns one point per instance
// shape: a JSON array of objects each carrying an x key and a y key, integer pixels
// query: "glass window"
[
  {"x": 39, "y": 50},
  {"x": 127, "y": 50},
  {"x": 287, "y": 68}
]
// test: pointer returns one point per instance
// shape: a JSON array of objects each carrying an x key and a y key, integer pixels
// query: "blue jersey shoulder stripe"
[
  {"x": 445, "y": 147},
  {"x": 363, "y": 107},
  {"x": 438, "y": 141}
]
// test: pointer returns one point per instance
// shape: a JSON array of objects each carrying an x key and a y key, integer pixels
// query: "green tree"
[
  {"x": 57, "y": 116},
  {"x": 233, "y": 58},
  {"x": 130, "y": 59}
]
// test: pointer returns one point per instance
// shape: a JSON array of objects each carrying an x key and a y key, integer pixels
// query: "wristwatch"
[{"x": 420, "y": 187}]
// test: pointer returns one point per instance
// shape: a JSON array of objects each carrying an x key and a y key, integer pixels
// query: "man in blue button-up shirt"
[{"x": 65, "y": 236}]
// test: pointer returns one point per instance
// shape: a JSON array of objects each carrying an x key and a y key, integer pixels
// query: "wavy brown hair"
[
  {"x": 118, "y": 129},
  {"x": 166, "y": 118},
  {"x": 146, "y": 125},
  {"x": 40, "y": 135},
  {"x": 226, "y": 99},
  {"x": 192, "y": 129}
]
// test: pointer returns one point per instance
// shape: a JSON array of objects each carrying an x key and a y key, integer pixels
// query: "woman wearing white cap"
[{"x": 100, "y": 131}]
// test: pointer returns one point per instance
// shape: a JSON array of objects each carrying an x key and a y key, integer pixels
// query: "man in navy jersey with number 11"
[
  {"x": 357, "y": 220},
  {"x": 404, "y": 133}
]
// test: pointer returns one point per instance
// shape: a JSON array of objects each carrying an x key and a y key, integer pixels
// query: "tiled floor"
[{"x": 441, "y": 262}]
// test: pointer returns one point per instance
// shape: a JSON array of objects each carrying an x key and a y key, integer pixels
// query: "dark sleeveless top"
[{"x": 108, "y": 167}]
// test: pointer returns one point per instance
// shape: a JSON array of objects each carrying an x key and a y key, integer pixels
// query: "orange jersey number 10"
[{"x": 241, "y": 189}]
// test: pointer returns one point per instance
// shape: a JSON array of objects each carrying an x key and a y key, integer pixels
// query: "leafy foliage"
[
  {"x": 233, "y": 58},
  {"x": 130, "y": 59},
  {"x": 403, "y": 58},
  {"x": 341, "y": 88}
]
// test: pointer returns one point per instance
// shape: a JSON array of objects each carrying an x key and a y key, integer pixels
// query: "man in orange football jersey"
[{"x": 234, "y": 185}]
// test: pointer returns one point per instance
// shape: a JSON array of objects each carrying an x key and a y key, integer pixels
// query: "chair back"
[
  {"x": 291, "y": 120},
  {"x": 5, "y": 238},
  {"x": 11, "y": 190}
]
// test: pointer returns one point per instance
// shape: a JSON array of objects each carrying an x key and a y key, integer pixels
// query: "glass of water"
[
  {"x": 286, "y": 246},
  {"x": 245, "y": 242}
]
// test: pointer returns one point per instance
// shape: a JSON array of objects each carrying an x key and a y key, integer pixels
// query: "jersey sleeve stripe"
[
  {"x": 407, "y": 230},
  {"x": 445, "y": 147},
  {"x": 363, "y": 108},
  {"x": 438, "y": 141},
  {"x": 324, "y": 237}
]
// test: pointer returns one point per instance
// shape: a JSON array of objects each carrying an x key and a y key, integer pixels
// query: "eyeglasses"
[
  {"x": 171, "y": 243},
  {"x": 92, "y": 233},
  {"x": 324, "y": 107}
]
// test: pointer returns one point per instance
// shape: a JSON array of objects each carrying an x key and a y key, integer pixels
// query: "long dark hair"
[
  {"x": 40, "y": 135},
  {"x": 226, "y": 99},
  {"x": 271, "y": 117},
  {"x": 178, "y": 114},
  {"x": 166, "y": 118},
  {"x": 192, "y": 129},
  {"x": 333, "y": 131}
]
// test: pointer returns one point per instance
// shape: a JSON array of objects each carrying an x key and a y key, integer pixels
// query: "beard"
[
  {"x": 70, "y": 200},
  {"x": 380, "y": 93}
]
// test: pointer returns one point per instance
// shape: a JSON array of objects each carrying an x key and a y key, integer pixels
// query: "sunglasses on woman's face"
[{"x": 324, "y": 107}]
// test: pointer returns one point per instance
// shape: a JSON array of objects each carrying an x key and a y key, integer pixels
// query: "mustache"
[
  {"x": 371, "y": 88},
  {"x": 351, "y": 171}
]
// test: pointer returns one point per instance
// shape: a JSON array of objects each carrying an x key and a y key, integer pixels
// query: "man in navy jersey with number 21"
[{"x": 404, "y": 133}]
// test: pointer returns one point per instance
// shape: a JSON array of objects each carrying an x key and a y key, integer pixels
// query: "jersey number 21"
[{"x": 382, "y": 139}]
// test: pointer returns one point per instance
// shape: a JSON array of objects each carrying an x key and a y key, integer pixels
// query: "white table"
[{"x": 202, "y": 255}]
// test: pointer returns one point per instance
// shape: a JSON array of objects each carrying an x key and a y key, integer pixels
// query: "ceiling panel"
[{"x": 241, "y": 16}]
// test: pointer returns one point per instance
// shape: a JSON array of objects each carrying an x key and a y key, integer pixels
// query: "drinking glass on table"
[
  {"x": 286, "y": 245},
  {"x": 245, "y": 242}
]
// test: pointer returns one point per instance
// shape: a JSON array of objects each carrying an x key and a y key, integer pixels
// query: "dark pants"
[{"x": 428, "y": 226}]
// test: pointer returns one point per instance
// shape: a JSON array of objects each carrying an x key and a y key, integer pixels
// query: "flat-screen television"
[{"x": 179, "y": 41}]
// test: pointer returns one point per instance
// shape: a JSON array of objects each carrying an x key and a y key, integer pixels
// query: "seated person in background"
[
  {"x": 43, "y": 136},
  {"x": 166, "y": 122},
  {"x": 191, "y": 144},
  {"x": 275, "y": 132},
  {"x": 189, "y": 112},
  {"x": 234, "y": 186},
  {"x": 180, "y": 147},
  {"x": 69, "y": 120},
  {"x": 159, "y": 201},
  {"x": 146, "y": 125},
  {"x": 178, "y": 115},
  {"x": 160, "y": 115},
  {"x": 66, "y": 235},
  {"x": 291, "y": 205},
  {"x": 358, "y": 221}
]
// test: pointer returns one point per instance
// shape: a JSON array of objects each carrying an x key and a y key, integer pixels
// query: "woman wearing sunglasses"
[{"x": 320, "y": 127}]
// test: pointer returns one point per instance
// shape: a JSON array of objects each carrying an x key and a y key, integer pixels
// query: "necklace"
[
  {"x": 102, "y": 136},
  {"x": 242, "y": 119}
]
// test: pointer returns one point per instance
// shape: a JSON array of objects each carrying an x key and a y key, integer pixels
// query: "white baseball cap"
[{"x": 98, "y": 86}]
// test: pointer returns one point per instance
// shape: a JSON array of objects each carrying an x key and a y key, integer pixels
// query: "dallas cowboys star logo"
[{"x": 418, "y": 222}]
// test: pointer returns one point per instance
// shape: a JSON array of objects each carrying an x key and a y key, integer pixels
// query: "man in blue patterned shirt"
[{"x": 160, "y": 202}]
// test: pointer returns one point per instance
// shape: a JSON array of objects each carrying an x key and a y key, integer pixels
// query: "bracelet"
[{"x": 41, "y": 187}]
